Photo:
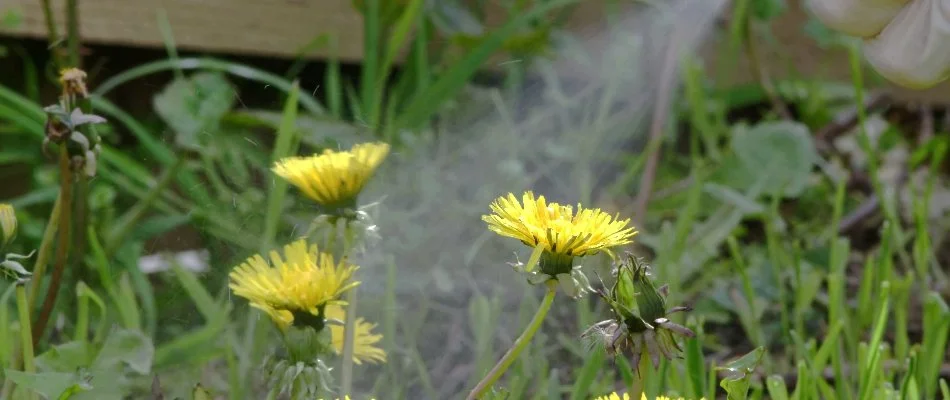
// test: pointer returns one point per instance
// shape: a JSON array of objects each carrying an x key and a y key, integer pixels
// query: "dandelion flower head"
[
  {"x": 333, "y": 179},
  {"x": 560, "y": 230},
  {"x": 301, "y": 283},
  {"x": 364, "y": 340}
]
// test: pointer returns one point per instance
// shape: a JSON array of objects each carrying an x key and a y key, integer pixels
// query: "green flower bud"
[
  {"x": 640, "y": 325},
  {"x": 7, "y": 223}
]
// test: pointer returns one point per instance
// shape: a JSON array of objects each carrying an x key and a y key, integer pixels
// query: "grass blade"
[
  {"x": 422, "y": 107},
  {"x": 282, "y": 147}
]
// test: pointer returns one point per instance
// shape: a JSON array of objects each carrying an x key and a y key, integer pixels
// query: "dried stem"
[
  {"x": 62, "y": 248},
  {"x": 761, "y": 74},
  {"x": 660, "y": 112}
]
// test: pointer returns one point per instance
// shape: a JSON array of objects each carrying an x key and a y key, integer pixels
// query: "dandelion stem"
[
  {"x": 499, "y": 369},
  {"x": 26, "y": 340},
  {"x": 349, "y": 324},
  {"x": 42, "y": 257},
  {"x": 639, "y": 380}
]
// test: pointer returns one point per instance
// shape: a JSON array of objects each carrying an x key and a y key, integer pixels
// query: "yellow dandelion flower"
[
  {"x": 73, "y": 81},
  {"x": 334, "y": 178},
  {"x": 7, "y": 223},
  {"x": 561, "y": 232},
  {"x": 364, "y": 340},
  {"x": 615, "y": 396},
  {"x": 299, "y": 285}
]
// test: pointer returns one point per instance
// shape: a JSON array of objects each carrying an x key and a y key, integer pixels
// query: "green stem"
[
  {"x": 639, "y": 377},
  {"x": 26, "y": 341},
  {"x": 82, "y": 317},
  {"x": 78, "y": 221},
  {"x": 349, "y": 327},
  {"x": 51, "y": 33},
  {"x": 519, "y": 345},
  {"x": 39, "y": 268},
  {"x": 72, "y": 21}
]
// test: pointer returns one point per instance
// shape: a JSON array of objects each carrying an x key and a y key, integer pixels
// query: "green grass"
[{"x": 816, "y": 314}]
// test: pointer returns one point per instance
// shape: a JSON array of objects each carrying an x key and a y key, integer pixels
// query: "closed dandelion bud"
[
  {"x": 640, "y": 325},
  {"x": 651, "y": 305},
  {"x": 7, "y": 224}
]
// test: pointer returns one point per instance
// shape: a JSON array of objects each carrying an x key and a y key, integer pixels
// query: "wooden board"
[
  {"x": 262, "y": 27},
  {"x": 283, "y": 28}
]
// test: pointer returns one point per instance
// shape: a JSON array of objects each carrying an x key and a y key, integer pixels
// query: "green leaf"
[
  {"x": 194, "y": 106},
  {"x": 781, "y": 154},
  {"x": 777, "y": 388},
  {"x": 587, "y": 374},
  {"x": 157, "y": 225},
  {"x": 768, "y": 9},
  {"x": 731, "y": 196},
  {"x": 65, "y": 357},
  {"x": 740, "y": 374},
  {"x": 456, "y": 77},
  {"x": 126, "y": 347},
  {"x": 51, "y": 385}
]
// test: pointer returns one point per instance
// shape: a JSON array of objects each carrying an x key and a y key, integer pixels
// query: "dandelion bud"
[
  {"x": 652, "y": 306},
  {"x": 640, "y": 325},
  {"x": 7, "y": 223}
]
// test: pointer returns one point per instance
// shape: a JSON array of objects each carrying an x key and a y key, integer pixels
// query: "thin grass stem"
[
  {"x": 26, "y": 341},
  {"x": 42, "y": 258}
]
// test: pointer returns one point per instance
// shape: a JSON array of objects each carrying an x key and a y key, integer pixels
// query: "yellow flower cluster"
[
  {"x": 305, "y": 281},
  {"x": 305, "y": 286}
]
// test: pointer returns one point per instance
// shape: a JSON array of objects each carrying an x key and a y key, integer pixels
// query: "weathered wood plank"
[{"x": 261, "y": 27}]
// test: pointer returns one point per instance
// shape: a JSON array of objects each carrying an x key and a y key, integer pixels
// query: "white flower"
[{"x": 907, "y": 42}]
